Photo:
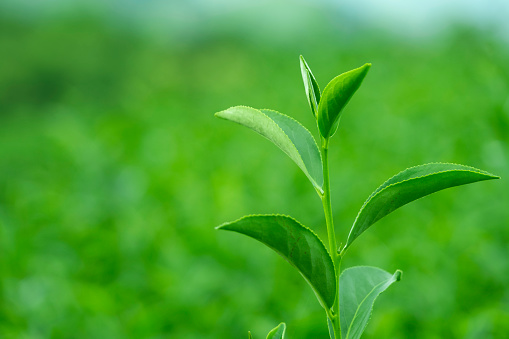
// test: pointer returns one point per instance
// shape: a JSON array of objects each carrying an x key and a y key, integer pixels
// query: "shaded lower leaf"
[
  {"x": 298, "y": 245},
  {"x": 409, "y": 185},
  {"x": 330, "y": 325},
  {"x": 358, "y": 289},
  {"x": 278, "y": 332}
]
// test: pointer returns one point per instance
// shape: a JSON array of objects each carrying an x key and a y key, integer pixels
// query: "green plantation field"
[{"x": 114, "y": 173}]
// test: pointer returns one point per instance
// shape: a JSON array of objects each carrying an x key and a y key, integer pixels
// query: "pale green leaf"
[
  {"x": 330, "y": 325},
  {"x": 298, "y": 245},
  {"x": 409, "y": 185},
  {"x": 335, "y": 96},
  {"x": 310, "y": 86},
  {"x": 286, "y": 133},
  {"x": 358, "y": 289},
  {"x": 278, "y": 332}
]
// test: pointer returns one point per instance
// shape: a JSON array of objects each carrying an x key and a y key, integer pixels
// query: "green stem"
[
  {"x": 326, "y": 201},
  {"x": 332, "y": 314}
]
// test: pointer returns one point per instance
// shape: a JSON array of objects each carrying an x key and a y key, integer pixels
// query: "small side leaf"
[
  {"x": 278, "y": 332},
  {"x": 300, "y": 246},
  {"x": 310, "y": 85},
  {"x": 409, "y": 185},
  {"x": 358, "y": 289},
  {"x": 286, "y": 133},
  {"x": 335, "y": 96}
]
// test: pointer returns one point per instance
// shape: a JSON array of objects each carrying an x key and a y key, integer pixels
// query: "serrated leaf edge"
[
  {"x": 303, "y": 226},
  {"x": 313, "y": 181},
  {"x": 375, "y": 193}
]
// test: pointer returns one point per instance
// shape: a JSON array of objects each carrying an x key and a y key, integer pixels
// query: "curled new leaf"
[
  {"x": 310, "y": 85},
  {"x": 278, "y": 332},
  {"x": 409, "y": 185},
  {"x": 298, "y": 245},
  {"x": 335, "y": 96},
  {"x": 286, "y": 133},
  {"x": 358, "y": 289}
]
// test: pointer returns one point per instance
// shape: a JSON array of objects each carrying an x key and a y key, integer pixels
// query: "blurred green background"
[{"x": 114, "y": 172}]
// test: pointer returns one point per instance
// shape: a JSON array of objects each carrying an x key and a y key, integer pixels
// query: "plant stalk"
[{"x": 332, "y": 314}]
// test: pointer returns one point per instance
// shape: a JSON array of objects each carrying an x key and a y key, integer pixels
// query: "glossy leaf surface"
[
  {"x": 278, "y": 332},
  {"x": 358, "y": 289},
  {"x": 310, "y": 86},
  {"x": 335, "y": 96},
  {"x": 409, "y": 185},
  {"x": 286, "y": 133},
  {"x": 298, "y": 245}
]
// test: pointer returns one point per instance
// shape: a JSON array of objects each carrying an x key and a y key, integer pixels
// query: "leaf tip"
[
  {"x": 220, "y": 114},
  {"x": 365, "y": 68},
  {"x": 222, "y": 226},
  {"x": 398, "y": 275}
]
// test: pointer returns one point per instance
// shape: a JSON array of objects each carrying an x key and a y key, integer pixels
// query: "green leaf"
[
  {"x": 249, "y": 334},
  {"x": 409, "y": 185},
  {"x": 310, "y": 85},
  {"x": 358, "y": 289},
  {"x": 330, "y": 325},
  {"x": 300, "y": 246},
  {"x": 278, "y": 332},
  {"x": 335, "y": 96},
  {"x": 288, "y": 134}
]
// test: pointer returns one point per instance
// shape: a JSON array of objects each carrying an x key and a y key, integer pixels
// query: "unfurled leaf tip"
[{"x": 399, "y": 274}]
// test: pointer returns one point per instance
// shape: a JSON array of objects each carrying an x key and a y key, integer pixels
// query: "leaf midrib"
[
  {"x": 360, "y": 304},
  {"x": 313, "y": 181},
  {"x": 410, "y": 179}
]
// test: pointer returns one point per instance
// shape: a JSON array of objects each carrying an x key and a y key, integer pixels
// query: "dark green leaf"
[
  {"x": 335, "y": 96},
  {"x": 278, "y": 332},
  {"x": 409, "y": 185},
  {"x": 358, "y": 289},
  {"x": 288, "y": 134},
  {"x": 310, "y": 85},
  {"x": 298, "y": 245}
]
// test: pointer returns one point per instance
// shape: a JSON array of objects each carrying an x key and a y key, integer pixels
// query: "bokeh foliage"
[{"x": 114, "y": 172}]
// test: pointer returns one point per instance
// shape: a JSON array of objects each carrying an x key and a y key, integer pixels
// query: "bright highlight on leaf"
[
  {"x": 286, "y": 133},
  {"x": 358, "y": 289},
  {"x": 310, "y": 85},
  {"x": 298, "y": 245},
  {"x": 409, "y": 185},
  {"x": 278, "y": 332},
  {"x": 335, "y": 96}
]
